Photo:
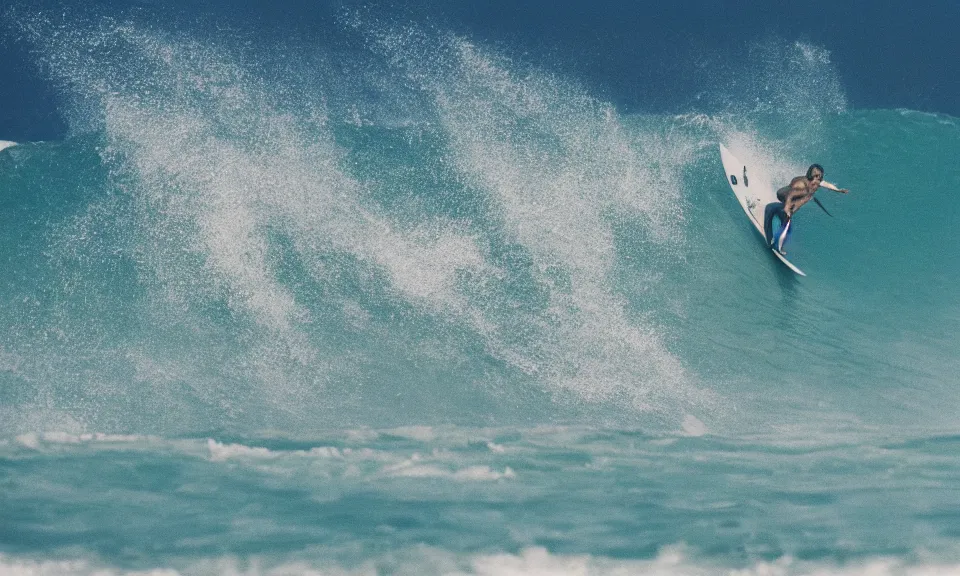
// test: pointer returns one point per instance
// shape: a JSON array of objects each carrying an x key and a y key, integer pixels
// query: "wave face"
[
  {"x": 389, "y": 299},
  {"x": 443, "y": 234}
]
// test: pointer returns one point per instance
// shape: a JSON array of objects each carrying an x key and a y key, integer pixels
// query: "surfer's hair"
[{"x": 812, "y": 168}]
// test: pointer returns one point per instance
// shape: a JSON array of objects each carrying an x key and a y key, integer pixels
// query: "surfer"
[{"x": 791, "y": 197}]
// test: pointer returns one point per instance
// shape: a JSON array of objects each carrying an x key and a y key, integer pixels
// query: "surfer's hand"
[{"x": 843, "y": 191}]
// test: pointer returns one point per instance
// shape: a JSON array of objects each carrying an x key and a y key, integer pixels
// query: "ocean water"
[{"x": 377, "y": 294}]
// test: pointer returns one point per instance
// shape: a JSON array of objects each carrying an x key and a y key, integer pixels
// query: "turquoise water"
[
  {"x": 455, "y": 500},
  {"x": 445, "y": 312}
]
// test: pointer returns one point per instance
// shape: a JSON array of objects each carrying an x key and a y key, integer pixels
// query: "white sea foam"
[
  {"x": 220, "y": 452},
  {"x": 483, "y": 473},
  {"x": 223, "y": 198},
  {"x": 562, "y": 171},
  {"x": 417, "y": 467},
  {"x": 496, "y": 448},
  {"x": 218, "y": 169},
  {"x": 693, "y": 426},
  {"x": 421, "y": 433},
  {"x": 439, "y": 464},
  {"x": 534, "y": 561},
  {"x": 36, "y": 440}
]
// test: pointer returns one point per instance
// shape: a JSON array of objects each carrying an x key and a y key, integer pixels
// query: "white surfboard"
[
  {"x": 754, "y": 191},
  {"x": 6, "y": 144}
]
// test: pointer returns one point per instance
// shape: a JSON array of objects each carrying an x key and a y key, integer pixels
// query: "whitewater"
[{"x": 412, "y": 305}]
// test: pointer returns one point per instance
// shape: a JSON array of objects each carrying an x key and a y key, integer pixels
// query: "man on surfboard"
[{"x": 791, "y": 197}]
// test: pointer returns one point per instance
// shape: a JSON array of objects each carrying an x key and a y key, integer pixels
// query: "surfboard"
[
  {"x": 6, "y": 144},
  {"x": 754, "y": 192}
]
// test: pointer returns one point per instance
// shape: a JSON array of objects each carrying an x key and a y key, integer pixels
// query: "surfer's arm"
[
  {"x": 830, "y": 186},
  {"x": 793, "y": 200}
]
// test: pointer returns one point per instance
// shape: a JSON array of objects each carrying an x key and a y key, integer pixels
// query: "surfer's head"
[{"x": 815, "y": 171}]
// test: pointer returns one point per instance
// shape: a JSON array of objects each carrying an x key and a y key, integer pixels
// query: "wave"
[{"x": 454, "y": 237}]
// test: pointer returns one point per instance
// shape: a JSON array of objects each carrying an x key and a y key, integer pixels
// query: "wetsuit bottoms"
[{"x": 776, "y": 239}]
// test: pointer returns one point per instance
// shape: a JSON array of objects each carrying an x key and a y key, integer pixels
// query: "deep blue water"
[
  {"x": 428, "y": 289},
  {"x": 639, "y": 56}
]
